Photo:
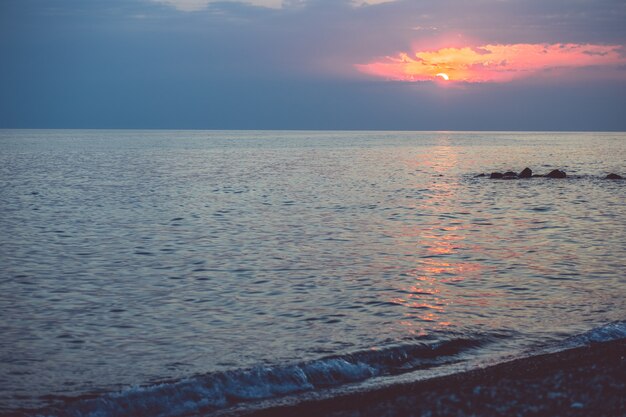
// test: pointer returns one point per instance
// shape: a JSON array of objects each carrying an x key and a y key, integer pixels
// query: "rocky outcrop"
[
  {"x": 526, "y": 173},
  {"x": 556, "y": 174}
]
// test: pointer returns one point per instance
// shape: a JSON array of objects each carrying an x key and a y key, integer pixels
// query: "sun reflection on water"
[{"x": 437, "y": 243}]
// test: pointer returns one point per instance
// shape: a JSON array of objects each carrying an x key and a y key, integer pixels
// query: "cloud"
[
  {"x": 495, "y": 62},
  {"x": 370, "y": 2},
  {"x": 95, "y": 63},
  {"x": 196, "y": 5}
]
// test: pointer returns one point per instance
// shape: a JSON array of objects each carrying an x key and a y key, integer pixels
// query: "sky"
[{"x": 314, "y": 64}]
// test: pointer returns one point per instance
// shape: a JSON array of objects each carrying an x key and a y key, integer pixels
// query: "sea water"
[{"x": 167, "y": 272}]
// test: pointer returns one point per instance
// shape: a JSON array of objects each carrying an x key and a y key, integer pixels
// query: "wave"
[
  {"x": 220, "y": 390},
  {"x": 611, "y": 331},
  {"x": 215, "y": 391}
]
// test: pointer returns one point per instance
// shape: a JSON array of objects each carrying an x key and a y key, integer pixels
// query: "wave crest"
[{"x": 219, "y": 390}]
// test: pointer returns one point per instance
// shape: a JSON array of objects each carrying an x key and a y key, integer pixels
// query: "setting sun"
[{"x": 443, "y": 76}]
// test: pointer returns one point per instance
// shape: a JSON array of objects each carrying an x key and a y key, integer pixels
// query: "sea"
[{"x": 184, "y": 273}]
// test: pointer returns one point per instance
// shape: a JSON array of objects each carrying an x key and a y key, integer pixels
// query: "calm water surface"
[{"x": 131, "y": 257}]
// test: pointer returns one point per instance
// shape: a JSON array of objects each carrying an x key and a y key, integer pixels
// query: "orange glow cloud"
[{"x": 493, "y": 63}]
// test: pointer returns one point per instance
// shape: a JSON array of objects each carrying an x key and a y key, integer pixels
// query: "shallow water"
[{"x": 134, "y": 257}]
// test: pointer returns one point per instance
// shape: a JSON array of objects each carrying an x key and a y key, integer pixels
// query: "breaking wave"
[
  {"x": 611, "y": 331},
  {"x": 215, "y": 391},
  {"x": 220, "y": 390}
]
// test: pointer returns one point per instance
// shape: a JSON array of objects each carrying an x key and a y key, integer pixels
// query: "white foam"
[{"x": 220, "y": 390}]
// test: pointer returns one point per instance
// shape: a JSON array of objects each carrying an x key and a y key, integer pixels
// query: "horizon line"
[{"x": 313, "y": 130}]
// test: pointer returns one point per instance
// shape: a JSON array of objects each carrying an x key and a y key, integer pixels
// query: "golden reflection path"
[{"x": 438, "y": 246}]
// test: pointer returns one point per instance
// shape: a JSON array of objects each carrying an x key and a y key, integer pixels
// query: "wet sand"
[{"x": 587, "y": 381}]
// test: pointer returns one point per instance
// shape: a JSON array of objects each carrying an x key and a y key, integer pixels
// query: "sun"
[{"x": 443, "y": 75}]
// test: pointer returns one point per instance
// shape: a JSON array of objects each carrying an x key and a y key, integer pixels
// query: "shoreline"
[{"x": 583, "y": 381}]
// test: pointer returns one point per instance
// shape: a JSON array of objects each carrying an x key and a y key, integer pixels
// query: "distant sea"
[{"x": 171, "y": 272}]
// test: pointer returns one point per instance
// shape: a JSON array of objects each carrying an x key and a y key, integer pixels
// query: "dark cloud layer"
[{"x": 141, "y": 64}]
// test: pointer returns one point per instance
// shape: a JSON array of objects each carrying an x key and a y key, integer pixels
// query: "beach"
[
  {"x": 349, "y": 208},
  {"x": 585, "y": 381}
]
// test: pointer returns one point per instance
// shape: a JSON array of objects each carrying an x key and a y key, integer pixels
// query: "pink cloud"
[{"x": 495, "y": 63}]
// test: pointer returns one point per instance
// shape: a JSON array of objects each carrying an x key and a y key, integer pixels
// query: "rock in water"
[
  {"x": 556, "y": 174},
  {"x": 509, "y": 175},
  {"x": 479, "y": 175},
  {"x": 496, "y": 175},
  {"x": 613, "y": 177},
  {"x": 526, "y": 173}
]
